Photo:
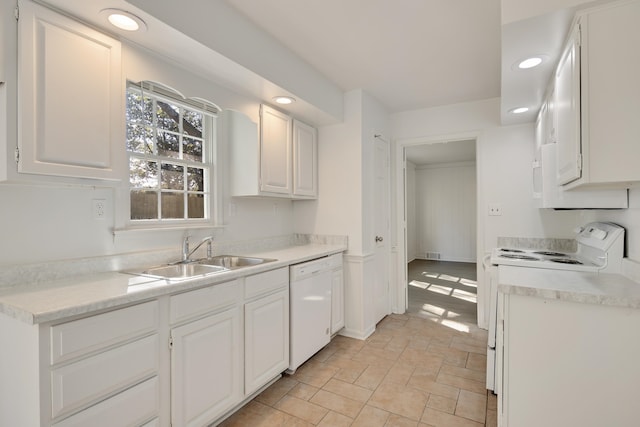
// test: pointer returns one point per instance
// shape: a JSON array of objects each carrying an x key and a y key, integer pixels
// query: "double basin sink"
[{"x": 201, "y": 267}]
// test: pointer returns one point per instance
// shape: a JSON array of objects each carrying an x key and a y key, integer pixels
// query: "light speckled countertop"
[
  {"x": 583, "y": 287},
  {"x": 62, "y": 298}
]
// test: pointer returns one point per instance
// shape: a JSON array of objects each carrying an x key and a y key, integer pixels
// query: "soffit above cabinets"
[{"x": 442, "y": 152}]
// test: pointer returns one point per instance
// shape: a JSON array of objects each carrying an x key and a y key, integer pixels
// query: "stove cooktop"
[
  {"x": 542, "y": 259},
  {"x": 600, "y": 249}
]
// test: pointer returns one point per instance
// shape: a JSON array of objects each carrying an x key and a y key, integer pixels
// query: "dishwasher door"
[{"x": 310, "y": 310}]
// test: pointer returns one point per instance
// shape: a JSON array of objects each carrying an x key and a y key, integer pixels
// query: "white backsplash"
[
  {"x": 11, "y": 275},
  {"x": 560, "y": 245}
]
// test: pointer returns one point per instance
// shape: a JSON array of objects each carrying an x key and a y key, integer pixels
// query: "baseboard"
[{"x": 350, "y": 333}]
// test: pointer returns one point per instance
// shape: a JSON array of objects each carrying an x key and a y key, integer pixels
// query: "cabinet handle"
[{"x": 379, "y": 239}]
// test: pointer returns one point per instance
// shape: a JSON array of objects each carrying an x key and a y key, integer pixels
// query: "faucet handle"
[
  {"x": 185, "y": 248},
  {"x": 209, "y": 248}
]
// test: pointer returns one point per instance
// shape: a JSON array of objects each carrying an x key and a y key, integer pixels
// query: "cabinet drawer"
[
  {"x": 129, "y": 408},
  {"x": 72, "y": 339},
  {"x": 263, "y": 283},
  {"x": 201, "y": 301},
  {"x": 88, "y": 380}
]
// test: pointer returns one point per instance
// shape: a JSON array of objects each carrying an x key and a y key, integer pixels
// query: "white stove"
[{"x": 600, "y": 250}]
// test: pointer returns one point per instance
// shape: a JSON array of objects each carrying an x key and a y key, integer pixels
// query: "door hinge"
[
  {"x": 170, "y": 342},
  {"x": 16, "y": 155},
  {"x": 16, "y": 12}
]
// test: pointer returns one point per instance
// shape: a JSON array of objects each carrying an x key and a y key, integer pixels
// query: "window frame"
[{"x": 210, "y": 148}]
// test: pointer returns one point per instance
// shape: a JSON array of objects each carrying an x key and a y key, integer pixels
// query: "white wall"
[
  {"x": 346, "y": 199},
  {"x": 52, "y": 222},
  {"x": 338, "y": 209},
  {"x": 445, "y": 210},
  {"x": 504, "y": 156}
]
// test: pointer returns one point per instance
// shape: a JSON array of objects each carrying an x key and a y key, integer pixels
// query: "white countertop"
[
  {"x": 38, "y": 303},
  {"x": 606, "y": 289}
]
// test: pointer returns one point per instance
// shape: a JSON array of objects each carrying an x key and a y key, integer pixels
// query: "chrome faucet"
[{"x": 186, "y": 253}]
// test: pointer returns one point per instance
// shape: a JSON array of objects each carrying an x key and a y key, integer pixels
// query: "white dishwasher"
[{"x": 310, "y": 310}]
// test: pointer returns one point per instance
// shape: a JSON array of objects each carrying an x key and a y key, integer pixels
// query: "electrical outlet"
[
  {"x": 99, "y": 208},
  {"x": 495, "y": 209}
]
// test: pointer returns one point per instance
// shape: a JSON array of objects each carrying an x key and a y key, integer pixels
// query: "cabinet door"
[
  {"x": 567, "y": 112},
  {"x": 611, "y": 94},
  {"x": 266, "y": 339},
  {"x": 275, "y": 151},
  {"x": 70, "y": 119},
  {"x": 337, "y": 301},
  {"x": 305, "y": 160},
  {"x": 206, "y": 368}
]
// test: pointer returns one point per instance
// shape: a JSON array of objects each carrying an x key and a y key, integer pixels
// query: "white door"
[{"x": 381, "y": 302}]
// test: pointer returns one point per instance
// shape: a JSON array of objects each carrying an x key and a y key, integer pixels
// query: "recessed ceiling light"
[
  {"x": 124, "y": 20},
  {"x": 284, "y": 100},
  {"x": 534, "y": 61},
  {"x": 519, "y": 110},
  {"x": 530, "y": 61}
]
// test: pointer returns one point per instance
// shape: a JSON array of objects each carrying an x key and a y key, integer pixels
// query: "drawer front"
[
  {"x": 86, "y": 381},
  {"x": 129, "y": 408},
  {"x": 335, "y": 261},
  {"x": 201, "y": 301},
  {"x": 78, "y": 337},
  {"x": 263, "y": 283}
]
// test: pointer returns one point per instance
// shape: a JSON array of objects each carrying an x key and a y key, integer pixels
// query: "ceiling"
[{"x": 408, "y": 54}]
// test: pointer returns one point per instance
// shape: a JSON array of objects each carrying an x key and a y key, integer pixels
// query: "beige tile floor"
[{"x": 422, "y": 368}]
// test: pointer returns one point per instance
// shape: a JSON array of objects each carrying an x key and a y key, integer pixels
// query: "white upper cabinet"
[
  {"x": 70, "y": 108},
  {"x": 603, "y": 61},
  {"x": 275, "y": 151},
  {"x": 305, "y": 162},
  {"x": 567, "y": 111},
  {"x": 281, "y": 162}
]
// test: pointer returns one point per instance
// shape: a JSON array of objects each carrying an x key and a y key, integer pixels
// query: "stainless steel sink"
[
  {"x": 180, "y": 271},
  {"x": 233, "y": 261}
]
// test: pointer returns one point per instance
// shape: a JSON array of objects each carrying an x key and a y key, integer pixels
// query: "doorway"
[{"x": 436, "y": 217}]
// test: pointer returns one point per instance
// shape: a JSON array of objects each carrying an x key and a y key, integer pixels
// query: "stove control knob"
[{"x": 598, "y": 234}]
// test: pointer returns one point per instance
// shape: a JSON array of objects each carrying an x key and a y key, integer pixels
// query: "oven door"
[
  {"x": 483, "y": 293},
  {"x": 493, "y": 319}
]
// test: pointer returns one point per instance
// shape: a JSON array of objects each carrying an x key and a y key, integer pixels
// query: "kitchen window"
[{"x": 171, "y": 150}]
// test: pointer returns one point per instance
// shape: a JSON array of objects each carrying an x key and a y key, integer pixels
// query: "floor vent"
[{"x": 433, "y": 255}]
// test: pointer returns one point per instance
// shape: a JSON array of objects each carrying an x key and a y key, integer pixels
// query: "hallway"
[{"x": 422, "y": 368}]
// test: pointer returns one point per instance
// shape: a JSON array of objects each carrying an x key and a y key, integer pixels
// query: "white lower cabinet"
[
  {"x": 266, "y": 339},
  {"x": 568, "y": 363},
  {"x": 186, "y": 359},
  {"x": 266, "y": 323},
  {"x": 81, "y": 383},
  {"x": 206, "y": 369},
  {"x": 132, "y": 407}
]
